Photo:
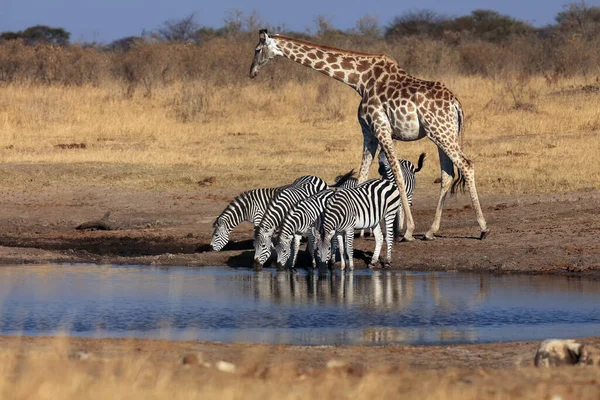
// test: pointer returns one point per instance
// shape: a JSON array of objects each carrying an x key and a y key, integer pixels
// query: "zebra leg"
[
  {"x": 350, "y": 248},
  {"x": 310, "y": 247},
  {"x": 297, "y": 239},
  {"x": 378, "y": 243},
  {"x": 398, "y": 224},
  {"x": 389, "y": 239},
  {"x": 340, "y": 244}
]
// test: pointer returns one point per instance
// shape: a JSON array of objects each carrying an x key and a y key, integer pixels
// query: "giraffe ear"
[{"x": 262, "y": 35}]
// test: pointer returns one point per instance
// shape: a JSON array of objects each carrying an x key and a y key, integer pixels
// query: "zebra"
[
  {"x": 365, "y": 206},
  {"x": 299, "y": 221},
  {"x": 408, "y": 171},
  {"x": 279, "y": 206},
  {"x": 249, "y": 206}
]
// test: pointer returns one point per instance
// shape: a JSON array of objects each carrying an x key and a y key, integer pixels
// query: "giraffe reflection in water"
[{"x": 424, "y": 295}]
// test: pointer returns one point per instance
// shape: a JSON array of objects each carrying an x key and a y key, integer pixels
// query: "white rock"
[{"x": 225, "y": 366}]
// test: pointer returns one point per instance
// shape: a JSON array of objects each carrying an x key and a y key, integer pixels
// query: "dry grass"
[
  {"x": 525, "y": 135},
  {"x": 52, "y": 374}
]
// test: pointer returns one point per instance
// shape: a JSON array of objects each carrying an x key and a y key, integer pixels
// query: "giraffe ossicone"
[{"x": 394, "y": 106}]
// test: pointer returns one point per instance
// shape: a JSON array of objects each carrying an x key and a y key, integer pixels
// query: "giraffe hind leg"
[
  {"x": 455, "y": 154},
  {"x": 447, "y": 171}
]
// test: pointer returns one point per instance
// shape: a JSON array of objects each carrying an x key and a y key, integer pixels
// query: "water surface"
[{"x": 226, "y": 304}]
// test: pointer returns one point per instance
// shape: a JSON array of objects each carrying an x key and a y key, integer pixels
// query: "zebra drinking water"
[
  {"x": 249, "y": 206},
  {"x": 279, "y": 206},
  {"x": 298, "y": 222},
  {"x": 363, "y": 207}
]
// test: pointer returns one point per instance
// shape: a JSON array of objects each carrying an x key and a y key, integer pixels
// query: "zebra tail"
[
  {"x": 343, "y": 179},
  {"x": 459, "y": 183},
  {"x": 420, "y": 162}
]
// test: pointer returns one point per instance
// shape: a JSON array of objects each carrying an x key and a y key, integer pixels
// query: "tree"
[
  {"x": 426, "y": 23},
  {"x": 579, "y": 19},
  {"x": 181, "y": 30},
  {"x": 39, "y": 34},
  {"x": 490, "y": 26},
  {"x": 368, "y": 26}
]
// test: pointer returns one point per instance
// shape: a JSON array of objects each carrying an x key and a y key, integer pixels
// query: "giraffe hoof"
[
  {"x": 484, "y": 234},
  {"x": 429, "y": 236},
  {"x": 408, "y": 239},
  {"x": 371, "y": 266}
]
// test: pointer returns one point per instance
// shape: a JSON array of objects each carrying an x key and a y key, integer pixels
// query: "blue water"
[{"x": 225, "y": 304}]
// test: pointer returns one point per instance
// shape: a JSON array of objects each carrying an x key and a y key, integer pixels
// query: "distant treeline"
[{"x": 482, "y": 43}]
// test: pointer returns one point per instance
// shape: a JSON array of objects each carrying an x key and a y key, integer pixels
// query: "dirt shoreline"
[{"x": 541, "y": 234}]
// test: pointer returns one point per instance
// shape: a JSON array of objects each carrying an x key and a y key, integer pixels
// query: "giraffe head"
[{"x": 266, "y": 50}]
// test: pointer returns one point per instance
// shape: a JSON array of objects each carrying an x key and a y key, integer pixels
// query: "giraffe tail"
[{"x": 460, "y": 181}]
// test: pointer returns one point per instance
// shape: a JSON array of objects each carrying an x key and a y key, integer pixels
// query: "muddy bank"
[{"x": 529, "y": 234}]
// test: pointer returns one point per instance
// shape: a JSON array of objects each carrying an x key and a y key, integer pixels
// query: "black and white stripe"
[
  {"x": 249, "y": 206},
  {"x": 298, "y": 222},
  {"x": 363, "y": 207},
  {"x": 283, "y": 202},
  {"x": 276, "y": 211}
]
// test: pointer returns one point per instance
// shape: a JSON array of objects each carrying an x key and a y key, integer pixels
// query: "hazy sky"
[{"x": 106, "y": 20}]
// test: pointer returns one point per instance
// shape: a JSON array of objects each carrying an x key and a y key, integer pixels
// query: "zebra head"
[
  {"x": 283, "y": 250},
  {"x": 220, "y": 235},
  {"x": 265, "y": 50},
  {"x": 262, "y": 247},
  {"x": 323, "y": 246}
]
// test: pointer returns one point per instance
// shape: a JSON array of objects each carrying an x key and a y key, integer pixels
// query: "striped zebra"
[
  {"x": 249, "y": 206},
  {"x": 365, "y": 206},
  {"x": 279, "y": 207},
  {"x": 298, "y": 222},
  {"x": 408, "y": 170}
]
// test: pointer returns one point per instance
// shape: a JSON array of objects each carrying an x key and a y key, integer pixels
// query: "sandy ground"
[{"x": 530, "y": 234}]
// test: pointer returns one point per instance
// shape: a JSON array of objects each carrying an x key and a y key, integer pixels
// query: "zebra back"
[
  {"x": 286, "y": 198},
  {"x": 248, "y": 206},
  {"x": 304, "y": 214},
  {"x": 360, "y": 207}
]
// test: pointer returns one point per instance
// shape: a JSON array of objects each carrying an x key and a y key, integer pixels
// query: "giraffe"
[{"x": 394, "y": 106}]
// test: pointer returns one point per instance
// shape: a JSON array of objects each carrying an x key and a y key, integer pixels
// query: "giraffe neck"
[{"x": 349, "y": 67}]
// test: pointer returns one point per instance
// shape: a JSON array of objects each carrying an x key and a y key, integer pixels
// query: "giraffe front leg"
[
  {"x": 370, "y": 145},
  {"x": 447, "y": 171},
  {"x": 384, "y": 134}
]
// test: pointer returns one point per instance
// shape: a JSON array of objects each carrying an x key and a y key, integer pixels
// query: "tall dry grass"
[
  {"x": 169, "y": 116},
  {"x": 53, "y": 374}
]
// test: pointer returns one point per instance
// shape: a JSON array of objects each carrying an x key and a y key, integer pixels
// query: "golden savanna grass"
[
  {"x": 525, "y": 134},
  {"x": 54, "y": 375}
]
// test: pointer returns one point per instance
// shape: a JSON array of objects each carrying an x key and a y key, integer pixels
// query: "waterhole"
[{"x": 239, "y": 305}]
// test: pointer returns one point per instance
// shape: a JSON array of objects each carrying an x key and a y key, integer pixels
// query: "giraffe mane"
[{"x": 328, "y": 48}]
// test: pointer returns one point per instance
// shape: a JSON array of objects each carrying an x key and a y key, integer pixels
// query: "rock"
[
  {"x": 225, "y": 366},
  {"x": 192, "y": 359},
  {"x": 332, "y": 364},
  {"x": 79, "y": 355},
  {"x": 555, "y": 352}
]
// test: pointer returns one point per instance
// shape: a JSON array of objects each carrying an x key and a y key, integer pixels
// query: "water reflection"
[{"x": 226, "y": 304}]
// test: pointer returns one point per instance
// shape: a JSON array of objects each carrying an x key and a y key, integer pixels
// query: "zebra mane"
[{"x": 341, "y": 179}]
